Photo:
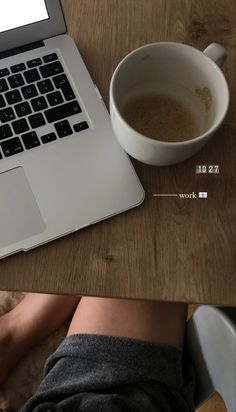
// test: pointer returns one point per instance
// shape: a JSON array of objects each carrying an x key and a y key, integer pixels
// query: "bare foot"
[{"x": 10, "y": 353}]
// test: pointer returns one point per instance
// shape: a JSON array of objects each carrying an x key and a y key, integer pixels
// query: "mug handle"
[{"x": 217, "y": 53}]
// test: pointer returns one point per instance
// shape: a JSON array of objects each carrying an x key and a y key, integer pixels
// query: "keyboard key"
[
  {"x": 61, "y": 82},
  {"x": 51, "y": 69},
  {"x": 54, "y": 98},
  {"x": 12, "y": 146},
  {"x": 80, "y": 126},
  {"x": 50, "y": 57},
  {"x": 33, "y": 63},
  {"x": 29, "y": 91},
  {"x": 31, "y": 75},
  {"x": 36, "y": 120},
  {"x": 2, "y": 102},
  {"x": 13, "y": 97},
  {"x": 30, "y": 140},
  {"x": 20, "y": 126},
  {"x": 18, "y": 67},
  {"x": 63, "y": 128},
  {"x": 4, "y": 72},
  {"x": 48, "y": 137},
  {"x": 68, "y": 92},
  {"x": 45, "y": 86},
  {"x": 23, "y": 109},
  {"x": 16, "y": 81},
  {"x": 62, "y": 112},
  {"x": 6, "y": 115},
  {"x": 3, "y": 86},
  {"x": 39, "y": 103},
  {"x": 5, "y": 131}
]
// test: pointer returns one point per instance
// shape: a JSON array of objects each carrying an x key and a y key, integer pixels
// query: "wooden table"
[{"x": 169, "y": 248}]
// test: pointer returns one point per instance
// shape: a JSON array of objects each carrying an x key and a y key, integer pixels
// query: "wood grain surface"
[{"x": 169, "y": 248}]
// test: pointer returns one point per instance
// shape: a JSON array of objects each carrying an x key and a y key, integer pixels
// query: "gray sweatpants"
[{"x": 96, "y": 373}]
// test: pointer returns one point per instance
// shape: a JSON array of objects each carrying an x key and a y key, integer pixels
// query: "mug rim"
[{"x": 169, "y": 143}]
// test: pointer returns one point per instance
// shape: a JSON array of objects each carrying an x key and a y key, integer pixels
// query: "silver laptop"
[{"x": 61, "y": 167}]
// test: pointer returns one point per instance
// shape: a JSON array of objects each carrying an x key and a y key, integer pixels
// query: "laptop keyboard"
[{"x": 34, "y": 94}]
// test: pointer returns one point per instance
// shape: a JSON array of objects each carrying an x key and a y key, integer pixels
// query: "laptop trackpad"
[{"x": 20, "y": 216}]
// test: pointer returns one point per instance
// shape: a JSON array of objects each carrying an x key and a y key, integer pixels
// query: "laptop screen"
[
  {"x": 25, "y": 22},
  {"x": 18, "y": 13}
]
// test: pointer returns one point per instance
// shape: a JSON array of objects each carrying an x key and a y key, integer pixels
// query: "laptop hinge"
[{"x": 21, "y": 49}]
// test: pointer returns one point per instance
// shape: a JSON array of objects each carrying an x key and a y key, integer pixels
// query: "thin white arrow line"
[{"x": 165, "y": 194}]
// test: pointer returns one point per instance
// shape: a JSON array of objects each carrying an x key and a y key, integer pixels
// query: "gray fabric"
[{"x": 96, "y": 373}]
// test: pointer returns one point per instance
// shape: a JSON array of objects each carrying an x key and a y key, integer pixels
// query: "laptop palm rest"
[{"x": 20, "y": 216}]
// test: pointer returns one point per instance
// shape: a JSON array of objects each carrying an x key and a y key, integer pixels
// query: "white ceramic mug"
[{"x": 176, "y": 69}]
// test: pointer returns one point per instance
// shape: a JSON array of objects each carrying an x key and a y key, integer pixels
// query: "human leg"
[
  {"x": 95, "y": 371},
  {"x": 153, "y": 321},
  {"x": 31, "y": 321}
]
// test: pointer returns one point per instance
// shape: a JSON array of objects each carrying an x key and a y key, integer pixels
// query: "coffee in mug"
[
  {"x": 162, "y": 117},
  {"x": 167, "y": 100}
]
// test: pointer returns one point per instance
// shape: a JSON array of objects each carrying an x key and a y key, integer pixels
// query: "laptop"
[{"x": 61, "y": 166}]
